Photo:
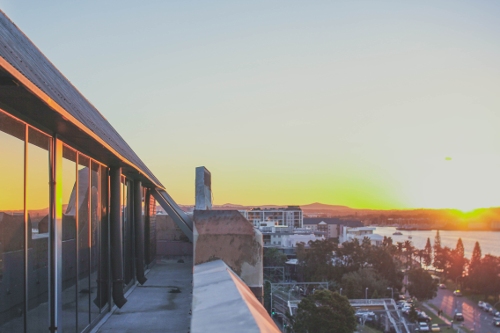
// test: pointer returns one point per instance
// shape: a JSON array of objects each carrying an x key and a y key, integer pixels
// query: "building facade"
[
  {"x": 360, "y": 233},
  {"x": 331, "y": 227},
  {"x": 77, "y": 205},
  {"x": 290, "y": 216}
]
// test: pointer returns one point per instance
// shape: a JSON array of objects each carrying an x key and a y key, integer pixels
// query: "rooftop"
[{"x": 162, "y": 304}]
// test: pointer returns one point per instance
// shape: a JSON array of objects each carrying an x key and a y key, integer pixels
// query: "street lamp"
[
  {"x": 392, "y": 292},
  {"x": 366, "y": 293}
]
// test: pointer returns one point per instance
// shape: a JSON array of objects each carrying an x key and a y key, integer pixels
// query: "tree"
[
  {"x": 460, "y": 247},
  {"x": 421, "y": 284},
  {"x": 442, "y": 259},
  {"x": 409, "y": 252},
  {"x": 355, "y": 283},
  {"x": 412, "y": 314},
  {"x": 273, "y": 257},
  {"x": 324, "y": 312},
  {"x": 457, "y": 261},
  {"x": 383, "y": 262},
  {"x": 316, "y": 263},
  {"x": 437, "y": 247},
  {"x": 420, "y": 254},
  {"x": 474, "y": 267},
  {"x": 488, "y": 281},
  {"x": 387, "y": 241},
  {"x": 428, "y": 253},
  {"x": 267, "y": 296}
]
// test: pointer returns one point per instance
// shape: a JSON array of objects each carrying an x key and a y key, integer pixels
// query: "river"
[{"x": 488, "y": 240}]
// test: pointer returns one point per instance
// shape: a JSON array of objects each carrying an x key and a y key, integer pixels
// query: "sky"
[{"x": 368, "y": 104}]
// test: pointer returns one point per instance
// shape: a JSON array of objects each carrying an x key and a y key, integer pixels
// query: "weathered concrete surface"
[
  {"x": 153, "y": 307},
  {"x": 170, "y": 240},
  {"x": 223, "y": 303},
  {"x": 227, "y": 235}
]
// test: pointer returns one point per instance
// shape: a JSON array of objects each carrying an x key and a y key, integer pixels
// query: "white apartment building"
[
  {"x": 292, "y": 240},
  {"x": 291, "y": 216},
  {"x": 348, "y": 234}
]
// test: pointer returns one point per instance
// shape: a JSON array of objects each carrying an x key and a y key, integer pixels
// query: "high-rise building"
[{"x": 290, "y": 216}]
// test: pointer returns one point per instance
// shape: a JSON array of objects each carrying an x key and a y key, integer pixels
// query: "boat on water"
[{"x": 398, "y": 233}]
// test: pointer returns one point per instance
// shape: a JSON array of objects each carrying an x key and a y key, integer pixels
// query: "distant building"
[
  {"x": 292, "y": 240},
  {"x": 348, "y": 234},
  {"x": 290, "y": 216},
  {"x": 331, "y": 227}
]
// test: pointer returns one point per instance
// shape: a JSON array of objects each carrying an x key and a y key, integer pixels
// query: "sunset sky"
[{"x": 369, "y": 104}]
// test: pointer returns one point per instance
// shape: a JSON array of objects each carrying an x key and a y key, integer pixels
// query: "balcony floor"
[{"x": 153, "y": 307}]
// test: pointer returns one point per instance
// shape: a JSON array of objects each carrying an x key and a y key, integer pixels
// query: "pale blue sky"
[{"x": 292, "y": 102}]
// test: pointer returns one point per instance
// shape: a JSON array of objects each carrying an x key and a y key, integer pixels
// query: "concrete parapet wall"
[
  {"x": 170, "y": 240},
  {"x": 223, "y": 303},
  {"x": 227, "y": 235}
]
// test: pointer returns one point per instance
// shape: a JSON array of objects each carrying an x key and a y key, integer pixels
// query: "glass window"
[
  {"x": 83, "y": 242},
  {"x": 127, "y": 234},
  {"x": 69, "y": 267},
  {"x": 152, "y": 229},
  {"x": 102, "y": 292},
  {"x": 95, "y": 219},
  {"x": 12, "y": 231},
  {"x": 37, "y": 195}
]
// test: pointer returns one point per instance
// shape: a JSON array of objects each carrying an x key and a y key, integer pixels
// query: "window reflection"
[
  {"x": 84, "y": 275},
  {"x": 95, "y": 218},
  {"x": 37, "y": 193},
  {"x": 12, "y": 147},
  {"x": 127, "y": 233},
  {"x": 83, "y": 242},
  {"x": 69, "y": 240}
]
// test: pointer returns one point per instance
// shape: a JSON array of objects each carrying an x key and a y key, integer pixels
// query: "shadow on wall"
[{"x": 170, "y": 240}]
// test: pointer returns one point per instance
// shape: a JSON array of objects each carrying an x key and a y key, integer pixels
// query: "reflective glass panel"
[
  {"x": 95, "y": 219},
  {"x": 83, "y": 242},
  {"x": 127, "y": 234},
  {"x": 37, "y": 195},
  {"x": 12, "y": 134},
  {"x": 104, "y": 250},
  {"x": 69, "y": 269}
]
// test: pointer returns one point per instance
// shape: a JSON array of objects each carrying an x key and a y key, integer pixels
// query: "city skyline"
[{"x": 376, "y": 106}]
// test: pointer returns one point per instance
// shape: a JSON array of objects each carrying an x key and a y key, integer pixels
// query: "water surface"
[{"x": 488, "y": 240}]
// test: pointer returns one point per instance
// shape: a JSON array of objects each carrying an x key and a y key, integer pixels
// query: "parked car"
[
  {"x": 496, "y": 323},
  {"x": 457, "y": 293},
  {"x": 406, "y": 309},
  {"x": 422, "y": 316},
  {"x": 435, "y": 328},
  {"x": 423, "y": 327},
  {"x": 487, "y": 307},
  {"x": 458, "y": 316},
  {"x": 400, "y": 304},
  {"x": 496, "y": 317},
  {"x": 442, "y": 286}
]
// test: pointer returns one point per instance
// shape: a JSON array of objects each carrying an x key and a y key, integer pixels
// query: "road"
[{"x": 474, "y": 316}]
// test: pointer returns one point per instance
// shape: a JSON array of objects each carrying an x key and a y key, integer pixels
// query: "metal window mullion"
[
  {"x": 132, "y": 231},
  {"x": 108, "y": 210},
  {"x": 26, "y": 233},
  {"x": 55, "y": 235},
  {"x": 89, "y": 224},
  {"x": 77, "y": 254}
]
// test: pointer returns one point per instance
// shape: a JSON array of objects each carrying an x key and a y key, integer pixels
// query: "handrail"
[{"x": 393, "y": 322}]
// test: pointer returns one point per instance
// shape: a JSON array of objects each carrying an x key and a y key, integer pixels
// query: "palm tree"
[{"x": 409, "y": 251}]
